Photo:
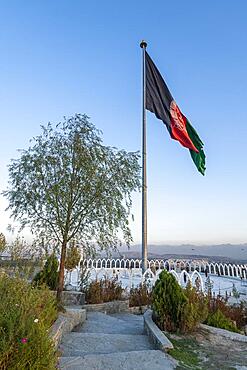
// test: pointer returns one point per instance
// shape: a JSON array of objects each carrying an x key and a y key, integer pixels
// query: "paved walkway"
[{"x": 111, "y": 342}]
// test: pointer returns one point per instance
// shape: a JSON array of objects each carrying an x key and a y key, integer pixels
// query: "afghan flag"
[{"x": 160, "y": 102}]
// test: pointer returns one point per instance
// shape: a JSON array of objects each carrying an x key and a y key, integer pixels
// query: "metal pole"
[{"x": 143, "y": 45}]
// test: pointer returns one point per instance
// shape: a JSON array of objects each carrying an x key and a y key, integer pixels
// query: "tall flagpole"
[{"x": 143, "y": 45}]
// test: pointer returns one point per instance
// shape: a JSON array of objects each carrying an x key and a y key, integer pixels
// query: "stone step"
[
  {"x": 127, "y": 317},
  {"x": 136, "y": 360},
  {"x": 80, "y": 344},
  {"x": 98, "y": 322}
]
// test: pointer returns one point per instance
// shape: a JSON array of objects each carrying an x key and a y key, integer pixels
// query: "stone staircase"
[{"x": 111, "y": 342}]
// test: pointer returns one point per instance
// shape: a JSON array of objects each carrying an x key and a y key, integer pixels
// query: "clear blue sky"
[{"x": 61, "y": 57}]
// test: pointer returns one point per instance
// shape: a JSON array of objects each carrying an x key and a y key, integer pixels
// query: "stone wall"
[
  {"x": 109, "y": 307},
  {"x": 155, "y": 334},
  {"x": 72, "y": 298},
  {"x": 66, "y": 322}
]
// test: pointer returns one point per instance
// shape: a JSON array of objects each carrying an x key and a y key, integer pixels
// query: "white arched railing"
[
  {"x": 170, "y": 265},
  {"x": 183, "y": 271}
]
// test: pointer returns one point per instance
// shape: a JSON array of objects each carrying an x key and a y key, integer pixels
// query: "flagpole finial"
[{"x": 143, "y": 44}]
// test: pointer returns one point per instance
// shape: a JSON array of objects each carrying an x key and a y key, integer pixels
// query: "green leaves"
[{"x": 68, "y": 185}]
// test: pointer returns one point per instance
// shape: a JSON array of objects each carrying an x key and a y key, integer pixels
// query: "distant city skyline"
[{"x": 60, "y": 58}]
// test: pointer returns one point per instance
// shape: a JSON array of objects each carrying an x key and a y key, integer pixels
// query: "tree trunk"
[{"x": 61, "y": 271}]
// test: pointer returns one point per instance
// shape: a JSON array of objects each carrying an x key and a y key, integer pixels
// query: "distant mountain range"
[{"x": 236, "y": 253}]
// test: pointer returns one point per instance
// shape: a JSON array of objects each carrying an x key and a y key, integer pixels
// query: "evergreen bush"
[
  {"x": 73, "y": 257},
  {"x": 169, "y": 301},
  {"x": 175, "y": 308},
  {"x": 49, "y": 274},
  {"x": 84, "y": 277},
  {"x": 2, "y": 243}
]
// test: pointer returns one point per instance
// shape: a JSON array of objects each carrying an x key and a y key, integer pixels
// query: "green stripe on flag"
[{"x": 198, "y": 158}]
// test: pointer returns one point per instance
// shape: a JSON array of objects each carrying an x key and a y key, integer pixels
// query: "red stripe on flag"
[{"x": 178, "y": 127}]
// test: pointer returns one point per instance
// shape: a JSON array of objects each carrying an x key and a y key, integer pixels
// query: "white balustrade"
[{"x": 130, "y": 273}]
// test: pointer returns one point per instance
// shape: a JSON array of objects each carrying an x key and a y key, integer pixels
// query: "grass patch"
[{"x": 186, "y": 353}]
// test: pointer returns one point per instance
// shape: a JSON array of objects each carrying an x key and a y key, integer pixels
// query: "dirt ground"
[{"x": 203, "y": 350}]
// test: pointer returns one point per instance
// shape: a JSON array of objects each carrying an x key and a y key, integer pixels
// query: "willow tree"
[{"x": 68, "y": 185}]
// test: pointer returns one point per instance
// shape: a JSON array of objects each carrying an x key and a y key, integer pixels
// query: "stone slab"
[
  {"x": 143, "y": 360},
  {"x": 80, "y": 344},
  {"x": 155, "y": 334},
  {"x": 225, "y": 333},
  {"x": 128, "y": 317},
  {"x": 98, "y": 322}
]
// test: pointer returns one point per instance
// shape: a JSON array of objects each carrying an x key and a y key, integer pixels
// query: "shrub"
[
  {"x": 2, "y": 242},
  {"x": 219, "y": 320},
  {"x": 73, "y": 257},
  {"x": 104, "y": 290},
  {"x": 177, "y": 309},
  {"x": 49, "y": 274},
  {"x": 20, "y": 267},
  {"x": 236, "y": 313},
  {"x": 195, "y": 309},
  {"x": 168, "y": 302},
  {"x": 209, "y": 286},
  {"x": 140, "y": 296},
  {"x": 84, "y": 277},
  {"x": 235, "y": 292},
  {"x": 26, "y": 315}
]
